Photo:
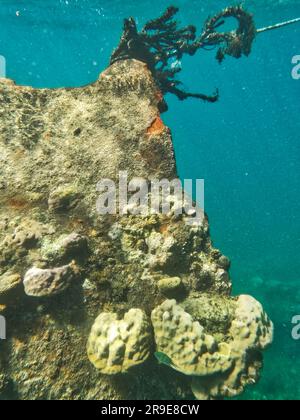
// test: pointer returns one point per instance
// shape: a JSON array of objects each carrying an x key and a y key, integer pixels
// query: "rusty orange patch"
[
  {"x": 164, "y": 229},
  {"x": 17, "y": 203},
  {"x": 157, "y": 127}
]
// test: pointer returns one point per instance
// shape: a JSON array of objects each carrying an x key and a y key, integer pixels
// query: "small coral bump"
[{"x": 48, "y": 282}]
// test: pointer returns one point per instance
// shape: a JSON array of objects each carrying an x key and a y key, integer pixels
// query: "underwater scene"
[{"x": 96, "y": 305}]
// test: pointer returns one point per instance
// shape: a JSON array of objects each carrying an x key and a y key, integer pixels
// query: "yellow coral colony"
[
  {"x": 217, "y": 369},
  {"x": 114, "y": 346},
  {"x": 184, "y": 341}
]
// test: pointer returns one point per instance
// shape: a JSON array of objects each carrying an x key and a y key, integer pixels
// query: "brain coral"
[
  {"x": 217, "y": 369},
  {"x": 114, "y": 346},
  {"x": 251, "y": 331},
  {"x": 191, "y": 350},
  {"x": 251, "y": 326}
]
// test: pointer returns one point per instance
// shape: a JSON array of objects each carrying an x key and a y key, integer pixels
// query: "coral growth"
[
  {"x": 251, "y": 331},
  {"x": 218, "y": 368},
  {"x": 115, "y": 346},
  {"x": 184, "y": 341},
  {"x": 48, "y": 282}
]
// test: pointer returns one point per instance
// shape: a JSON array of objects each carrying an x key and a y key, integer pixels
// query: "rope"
[{"x": 279, "y": 25}]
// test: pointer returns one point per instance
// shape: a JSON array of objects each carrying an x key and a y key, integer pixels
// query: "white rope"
[{"x": 279, "y": 25}]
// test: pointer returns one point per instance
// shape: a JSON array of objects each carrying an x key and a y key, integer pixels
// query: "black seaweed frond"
[{"x": 162, "y": 42}]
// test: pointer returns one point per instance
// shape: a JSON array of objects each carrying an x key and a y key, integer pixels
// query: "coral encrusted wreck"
[{"x": 92, "y": 303}]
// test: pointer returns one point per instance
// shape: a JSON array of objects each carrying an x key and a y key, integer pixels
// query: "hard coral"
[
  {"x": 115, "y": 346},
  {"x": 217, "y": 368}
]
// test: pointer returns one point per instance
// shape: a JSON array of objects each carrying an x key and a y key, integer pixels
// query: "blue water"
[{"x": 246, "y": 147}]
